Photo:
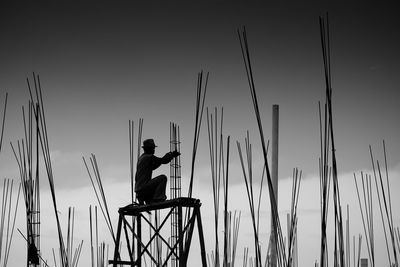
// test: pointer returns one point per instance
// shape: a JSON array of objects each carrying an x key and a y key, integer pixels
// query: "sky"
[{"x": 105, "y": 63}]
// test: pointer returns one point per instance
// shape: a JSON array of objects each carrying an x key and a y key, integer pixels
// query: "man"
[{"x": 147, "y": 189}]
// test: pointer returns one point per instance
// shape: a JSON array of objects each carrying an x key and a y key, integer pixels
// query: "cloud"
[
  {"x": 69, "y": 170},
  {"x": 117, "y": 190}
]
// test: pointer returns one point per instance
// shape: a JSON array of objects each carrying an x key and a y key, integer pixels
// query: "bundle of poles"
[
  {"x": 278, "y": 244},
  {"x": 7, "y": 219},
  {"x": 98, "y": 251},
  {"x": 72, "y": 255},
  {"x": 219, "y": 162},
  {"x": 248, "y": 179},
  {"x": 201, "y": 92},
  {"x": 392, "y": 239},
  {"x": 97, "y": 184},
  {"x": 27, "y": 157},
  {"x": 329, "y": 178},
  {"x": 217, "y": 169},
  {"x": 365, "y": 199},
  {"x": 8, "y": 209},
  {"x": 328, "y": 165},
  {"x": 31, "y": 185}
]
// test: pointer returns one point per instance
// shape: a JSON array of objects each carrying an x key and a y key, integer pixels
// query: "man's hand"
[{"x": 175, "y": 154}]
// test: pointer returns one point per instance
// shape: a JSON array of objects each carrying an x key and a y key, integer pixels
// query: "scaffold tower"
[{"x": 124, "y": 253}]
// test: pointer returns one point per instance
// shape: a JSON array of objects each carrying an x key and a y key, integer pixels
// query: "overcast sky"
[{"x": 103, "y": 64}]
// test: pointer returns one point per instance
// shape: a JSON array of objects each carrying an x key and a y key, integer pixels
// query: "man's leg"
[
  {"x": 154, "y": 190},
  {"x": 159, "y": 184}
]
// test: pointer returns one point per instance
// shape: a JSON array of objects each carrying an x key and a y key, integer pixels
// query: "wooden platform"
[{"x": 135, "y": 209}]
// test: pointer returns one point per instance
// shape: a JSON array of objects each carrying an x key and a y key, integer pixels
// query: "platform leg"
[
  {"x": 180, "y": 236},
  {"x": 139, "y": 241},
  {"x": 201, "y": 237},
  {"x": 189, "y": 237},
  {"x": 116, "y": 250}
]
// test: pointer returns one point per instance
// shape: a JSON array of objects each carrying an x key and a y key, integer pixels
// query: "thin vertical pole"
[
  {"x": 91, "y": 235},
  {"x": 201, "y": 237},
  {"x": 37, "y": 184},
  {"x": 116, "y": 250},
  {"x": 131, "y": 148},
  {"x": 189, "y": 235},
  {"x": 139, "y": 240},
  {"x": 4, "y": 119},
  {"x": 180, "y": 236}
]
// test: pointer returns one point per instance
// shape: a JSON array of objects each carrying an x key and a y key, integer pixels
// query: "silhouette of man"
[{"x": 147, "y": 189}]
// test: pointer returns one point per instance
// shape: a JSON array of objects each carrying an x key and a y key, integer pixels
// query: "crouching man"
[{"x": 147, "y": 189}]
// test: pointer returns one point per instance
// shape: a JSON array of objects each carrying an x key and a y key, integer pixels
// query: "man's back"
[
  {"x": 146, "y": 164},
  {"x": 144, "y": 171}
]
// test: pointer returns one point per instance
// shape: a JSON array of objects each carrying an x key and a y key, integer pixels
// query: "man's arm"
[{"x": 165, "y": 159}]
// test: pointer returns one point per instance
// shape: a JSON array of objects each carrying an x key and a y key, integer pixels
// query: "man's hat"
[{"x": 149, "y": 143}]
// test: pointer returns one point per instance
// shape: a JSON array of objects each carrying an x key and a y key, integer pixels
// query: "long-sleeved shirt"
[{"x": 145, "y": 166}]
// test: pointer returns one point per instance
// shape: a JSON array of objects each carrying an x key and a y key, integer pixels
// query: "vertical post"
[
  {"x": 296, "y": 251},
  {"x": 201, "y": 236},
  {"x": 364, "y": 262},
  {"x": 139, "y": 240},
  {"x": 116, "y": 250},
  {"x": 37, "y": 197},
  {"x": 180, "y": 237},
  {"x": 274, "y": 176},
  {"x": 275, "y": 143},
  {"x": 189, "y": 235}
]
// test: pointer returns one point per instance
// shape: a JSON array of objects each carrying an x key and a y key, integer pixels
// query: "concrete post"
[
  {"x": 274, "y": 176},
  {"x": 364, "y": 262}
]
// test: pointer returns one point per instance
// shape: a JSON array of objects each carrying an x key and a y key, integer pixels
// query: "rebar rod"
[
  {"x": 4, "y": 119},
  {"x": 215, "y": 151},
  {"x": 46, "y": 154},
  {"x": 390, "y": 215},
  {"x": 339, "y": 243},
  {"x": 365, "y": 221},
  {"x": 274, "y": 208},
  {"x": 380, "y": 195}
]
